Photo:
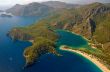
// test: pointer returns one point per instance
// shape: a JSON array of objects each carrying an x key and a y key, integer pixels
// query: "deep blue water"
[{"x": 11, "y": 53}]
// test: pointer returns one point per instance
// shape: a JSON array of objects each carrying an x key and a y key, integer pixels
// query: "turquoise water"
[
  {"x": 70, "y": 39},
  {"x": 11, "y": 53}
]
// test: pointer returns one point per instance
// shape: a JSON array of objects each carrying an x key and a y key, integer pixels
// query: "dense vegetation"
[
  {"x": 40, "y": 46},
  {"x": 41, "y": 36}
]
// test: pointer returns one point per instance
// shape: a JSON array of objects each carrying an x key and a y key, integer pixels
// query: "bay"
[{"x": 11, "y": 53}]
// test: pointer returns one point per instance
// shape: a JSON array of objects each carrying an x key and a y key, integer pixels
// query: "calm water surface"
[{"x": 11, "y": 58}]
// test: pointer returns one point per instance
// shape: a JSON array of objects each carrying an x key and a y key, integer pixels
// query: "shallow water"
[{"x": 71, "y": 39}]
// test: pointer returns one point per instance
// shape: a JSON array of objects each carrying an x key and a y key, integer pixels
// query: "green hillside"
[
  {"x": 42, "y": 38},
  {"x": 91, "y": 21}
]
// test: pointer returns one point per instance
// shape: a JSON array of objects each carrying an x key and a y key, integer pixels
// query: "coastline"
[
  {"x": 89, "y": 43},
  {"x": 32, "y": 41},
  {"x": 90, "y": 57}
]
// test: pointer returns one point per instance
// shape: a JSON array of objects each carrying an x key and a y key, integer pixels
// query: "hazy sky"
[{"x": 12, "y": 2}]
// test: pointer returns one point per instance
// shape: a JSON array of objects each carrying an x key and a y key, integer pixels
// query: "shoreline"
[
  {"x": 89, "y": 57},
  {"x": 32, "y": 41},
  {"x": 89, "y": 43}
]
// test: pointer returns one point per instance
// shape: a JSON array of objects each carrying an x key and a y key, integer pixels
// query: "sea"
[{"x": 11, "y": 52}]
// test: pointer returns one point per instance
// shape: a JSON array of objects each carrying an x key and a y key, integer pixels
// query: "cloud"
[
  {"x": 86, "y": 1},
  {"x": 12, "y": 2}
]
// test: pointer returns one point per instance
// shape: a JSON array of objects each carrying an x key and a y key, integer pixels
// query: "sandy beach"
[
  {"x": 31, "y": 41},
  {"x": 90, "y": 57}
]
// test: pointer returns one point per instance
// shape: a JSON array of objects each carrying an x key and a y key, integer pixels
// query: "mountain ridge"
[
  {"x": 32, "y": 9},
  {"x": 38, "y": 9},
  {"x": 58, "y": 4}
]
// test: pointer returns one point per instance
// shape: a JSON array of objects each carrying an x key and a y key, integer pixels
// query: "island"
[{"x": 5, "y": 15}]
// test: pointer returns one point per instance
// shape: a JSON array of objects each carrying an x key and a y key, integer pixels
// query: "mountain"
[
  {"x": 1, "y": 11},
  {"x": 108, "y": 4},
  {"x": 32, "y": 9},
  {"x": 58, "y": 4},
  {"x": 91, "y": 21},
  {"x": 39, "y": 9},
  {"x": 81, "y": 17},
  {"x": 16, "y": 10}
]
